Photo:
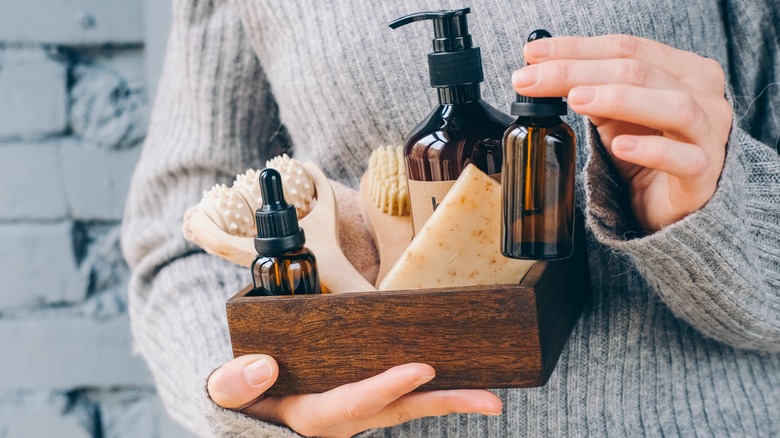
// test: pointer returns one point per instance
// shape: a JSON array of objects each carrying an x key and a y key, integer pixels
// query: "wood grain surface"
[{"x": 475, "y": 337}]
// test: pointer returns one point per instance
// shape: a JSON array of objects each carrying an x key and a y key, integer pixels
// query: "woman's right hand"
[{"x": 380, "y": 401}]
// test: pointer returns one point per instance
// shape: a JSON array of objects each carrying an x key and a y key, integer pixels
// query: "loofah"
[
  {"x": 387, "y": 179},
  {"x": 297, "y": 185}
]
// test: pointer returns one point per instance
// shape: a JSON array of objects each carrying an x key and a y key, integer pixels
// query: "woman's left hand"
[{"x": 660, "y": 112}]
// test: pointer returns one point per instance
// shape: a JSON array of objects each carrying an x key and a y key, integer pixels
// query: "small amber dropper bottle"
[
  {"x": 538, "y": 179},
  {"x": 282, "y": 266}
]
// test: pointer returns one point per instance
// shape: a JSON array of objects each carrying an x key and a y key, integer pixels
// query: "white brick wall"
[
  {"x": 39, "y": 415},
  {"x": 38, "y": 267},
  {"x": 23, "y": 169},
  {"x": 72, "y": 22},
  {"x": 68, "y": 146},
  {"x": 32, "y": 92},
  {"x": 67, "y": 352},
  {"x": 62, "y": 178},
  {"x": 96, "y": 180}
]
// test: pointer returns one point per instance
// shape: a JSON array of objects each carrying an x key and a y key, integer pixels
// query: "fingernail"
[
  {"x": 494, "y": 413},
  {"x": 423, "y": 380},
  {"x": 524, "y": 77},
  {"x": 538, "y": 49},
  {"x": 625, "y": 144},
  {"x": 582, "y": 95},
  {"x": 257, "y": 373}
]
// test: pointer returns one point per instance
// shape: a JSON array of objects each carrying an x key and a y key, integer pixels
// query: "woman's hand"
[
  {"x": 660, "y": 112},
  {"x": 380, "y": 401}
]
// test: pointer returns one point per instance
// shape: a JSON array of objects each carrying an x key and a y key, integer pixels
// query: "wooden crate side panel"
[
  {"x": 473, "y": 338},
  {"x": 562, "y": 293}
]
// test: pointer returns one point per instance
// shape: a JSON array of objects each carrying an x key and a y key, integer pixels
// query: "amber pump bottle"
[
  {"x": 463, "y": 129},
  {"x": 282, "y": 266},
  {"x": 538, "y": 179}
]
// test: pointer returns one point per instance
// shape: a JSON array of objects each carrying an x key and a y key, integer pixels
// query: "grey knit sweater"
[{"x": 683, "y": 332}]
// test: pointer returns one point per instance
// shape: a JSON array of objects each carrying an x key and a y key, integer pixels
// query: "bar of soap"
[{"x": 460, "y": 245}]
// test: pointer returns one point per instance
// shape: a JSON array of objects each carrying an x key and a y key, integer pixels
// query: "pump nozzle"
[
  {"x": 454, "y": 60},
  {"x": 449, "y": 27}
]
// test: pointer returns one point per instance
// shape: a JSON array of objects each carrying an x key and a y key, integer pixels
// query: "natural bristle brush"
[{"x": 385, "y": 205}]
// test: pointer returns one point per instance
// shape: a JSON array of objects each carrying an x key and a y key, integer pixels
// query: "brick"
[
  {"x": 102, "y": 254},
  {"x": 31, "y": 182},
  {"x": 62, "y": 352},
  {"x": 73, "y": 22},
  {"x": 33, "y": 93},
  {"x": 38, "y": 265},
  {"x": 40, "y": 421},
  {"x": 102, "y": 262},
  {"x": 97, "y": 180},
  {"x": 107, "y": 108},
  {"x": 128, "y": 417},
  {"x": 172, "y": 429},
  {"x": 128, "y": 63}
]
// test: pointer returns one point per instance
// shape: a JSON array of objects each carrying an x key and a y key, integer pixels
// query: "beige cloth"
[{"x": 356, "y": 241}]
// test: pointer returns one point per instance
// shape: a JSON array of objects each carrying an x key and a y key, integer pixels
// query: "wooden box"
[{"x": 505, "y": 336}]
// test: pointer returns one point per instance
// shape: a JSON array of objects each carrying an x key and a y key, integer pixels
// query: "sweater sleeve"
[
  {"x": 214, "y": 117},
  {"x": 718, "y": 268}
]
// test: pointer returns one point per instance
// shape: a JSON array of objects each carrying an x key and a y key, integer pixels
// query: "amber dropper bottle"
[
  {"x": 538, "y": 179},
  {"x": 282, "y": 266}
]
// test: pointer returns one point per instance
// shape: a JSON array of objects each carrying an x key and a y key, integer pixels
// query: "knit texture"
[{"x": 683, "y": 330}]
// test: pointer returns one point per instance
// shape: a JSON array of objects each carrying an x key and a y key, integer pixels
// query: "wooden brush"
[
  {"x": 206, "y": 225},
  {"x": 385, "y": 205}
]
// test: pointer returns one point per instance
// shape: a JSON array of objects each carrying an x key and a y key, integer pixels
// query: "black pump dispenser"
[
  {"x": 538, "y": 106},
  {"x": 455, "y": 65},
  {"x": 277, "y": 221}
]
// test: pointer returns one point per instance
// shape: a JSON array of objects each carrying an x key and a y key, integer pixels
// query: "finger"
[
  {"x": 669, "y": 111},
  {"x": 436, "y": 403},
  {"x": 557, "y": 78},
  {"x": 674, "y": 61},
  {"x": 682, "y": 160},
  {"x": 347, "y": 403},
  {"x": 366, "y": 398},
  {"x": 242, "y": 380}
]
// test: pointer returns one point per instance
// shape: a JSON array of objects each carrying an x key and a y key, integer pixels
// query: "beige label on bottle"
[{"x": 425, "y": 196}]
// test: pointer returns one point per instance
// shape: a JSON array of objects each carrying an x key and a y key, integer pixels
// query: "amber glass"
[
  {"x": 293, "y": 273},
  {"x": 452, "y": 137},
  {"x": 538, "y": 189}
]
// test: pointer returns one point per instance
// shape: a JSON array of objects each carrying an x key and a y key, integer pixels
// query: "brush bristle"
[
  {"x": 298, "y": 187},
  {"x": 228, "y": 209},
  {"x": 387, "y": 180},
  {"x": 248, "y": 184}
]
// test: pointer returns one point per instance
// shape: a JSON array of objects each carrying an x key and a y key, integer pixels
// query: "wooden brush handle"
[
  {"x": 391, "y": 234},
  {"x": 322, "y": 237}
]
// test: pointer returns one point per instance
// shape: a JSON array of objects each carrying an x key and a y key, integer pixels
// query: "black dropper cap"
[
  {"x": 454, "y": 60},
  {"x": 277, "y": 221},
  {"x": 538, "y": 106}
]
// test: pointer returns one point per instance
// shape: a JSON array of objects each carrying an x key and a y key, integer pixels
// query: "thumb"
[{"x": 242, "y": 380}]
